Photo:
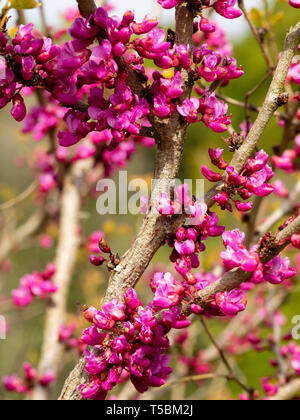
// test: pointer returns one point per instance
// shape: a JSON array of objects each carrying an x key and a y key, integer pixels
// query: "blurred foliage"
[{"x": 24, "y": 339}]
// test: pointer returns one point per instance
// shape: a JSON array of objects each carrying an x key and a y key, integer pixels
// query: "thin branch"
[
  {"x": 45, "y": 27},
  {"x": 21, "y": 197},
  {"x": 259, "y": 39},
  {"x": 286, "y": 208},
  {"x": 241, "y": 328},
  {"x": 223, "y": 357},
  {"x": 234, "y": 278},
  {"x": 86, "y": 7},
  {"x": 66, "y": 253},
  {"x": 170, "y": 137},
  {"x": 235, "y": 102},
  {"x": 28, "y": 229},
  {"x": 277, "y": 339},
  {"x": 274, "y": 99},
  {"x": 248, "y": 96}
]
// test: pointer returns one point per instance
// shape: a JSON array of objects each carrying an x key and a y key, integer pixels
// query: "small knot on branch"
[{"x": 282, "y": 99}]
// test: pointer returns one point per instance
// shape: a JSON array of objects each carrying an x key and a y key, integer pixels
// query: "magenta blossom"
[
  {"x": 236, "y": 254},
  {"x": 231, "y": 303},
  {"x": 169, "y": 4},
  {"x": 167, "y": 290},
  {"x": 295, "y": 3},
  {"x": 278, "y": 270},
  {"x": 189, "y": 109}
]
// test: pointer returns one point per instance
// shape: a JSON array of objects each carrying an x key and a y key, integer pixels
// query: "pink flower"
[
  {"x": 296, "y": 363},
  {"x": 226, "y": 8},
  {"x": 18, "y": 110},
  {"x": 210, "y": 175},
  {"x": 146, "y": 26},
  {"x": 46, "y": 241},
  {"x": 236, "y": 254},
  {"x": 206, "y": 26},
  {"x": 278, "y": 270},
  {"x": 243, "y": 207},
  {"x": 214, "y": 113},
  {"x": 144, "y": 204},
  {"x": 162, "y": 108},
  {"x": 280, "y": 189},
  {"x": 295, "y": 3},
  {"x": 230, "y": 303},
  {"x": 167, "y": 290},
  {"x": 189, "y": 109},
  {"x": 172, "y": 88},
  {"x": 169, "y": 4},
  {"x": 185, "y": 248},
  {"x": 269, "y": 389},
  {"x": 295, "y": 241},
  {"x": 92, "y": 389},
  {"x": 167, "y": 207},
  {"x": 47, "y": 378},
  {"x": 114, "y": 310}
]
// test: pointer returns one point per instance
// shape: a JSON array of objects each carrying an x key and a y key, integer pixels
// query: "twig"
[
  {"x": 237, "y": 325},
  {"x": 17, "y": 200},
  {"x": 52, "y": 350},
  {"x": 29, "y": 228},
  {"x": 234, "y": 278},
  {"x": 224, "y": 359},
  {"x": 248, "y": 96},
  {"x": 235, "y": 102},
  {"x": 285, "y": 209},
  {"x": 273, "y": 100},
  {"x": 277, "y": 338},
  {"x": 259, "y": 39},
  {"x": 170, "y": 137},
  {"x": 45, "y": 27}
]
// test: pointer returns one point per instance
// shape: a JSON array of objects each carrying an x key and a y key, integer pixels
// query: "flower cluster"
[
  {"x": 43, "y": 119},
  {"x": 209, "y": 34},
  {"x": 225, "y": 8},
  {"x": 30, "y": 379},
  {"x": 129, "y": 340},
  {"x": 253, "y": 179},
  {"x": 200, "y": 224},
  {"x": 30, "y": 59},
  {"x": 78, "y": 69},
  {"x": 213, "y": 112},
  {"x": 288, "y": 350},
  {"x": 236, "y": 255},
  {"x": 37, "y": 284},
  {"x": 67, "y": 338},
  {"x": 44, "y": 164},
  {"x": 289, "y": 160}
]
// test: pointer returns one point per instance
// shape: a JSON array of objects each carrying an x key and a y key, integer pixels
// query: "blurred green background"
[{"x": 25, "y": 334}]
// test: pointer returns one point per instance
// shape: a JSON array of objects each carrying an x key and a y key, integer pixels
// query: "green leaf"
[{"x": 24, "y": 4}]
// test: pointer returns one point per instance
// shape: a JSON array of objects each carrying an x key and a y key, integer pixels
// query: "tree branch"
[
  {"x": 170, "y": 139},
  {"x": 288, "y": 392},
  {"x": 234, "y": 278},
  {"x": 273, "y": 100},
  {"x": 27, "y": 229},
  {"x": 52, "y": 350}
]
